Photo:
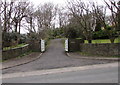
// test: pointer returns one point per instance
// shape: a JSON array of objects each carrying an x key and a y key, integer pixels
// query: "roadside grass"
[
  {"x": 0, "y": 60},
  {"x": 117, "y": 40},
  {"x": 47, "y": 42},
  {"x": 19, "y": 45}
]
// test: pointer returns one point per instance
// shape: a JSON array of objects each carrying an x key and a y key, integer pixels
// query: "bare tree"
[
  {"x": 5, "y": 13},
  {"x": 49, "y": 12},
  {"x": 19, "y": 14},
  {"x": 5, "y": 16},
  {"x": 114, "y": 19},
  {"x": 118, "y": 15},
  {"x": 63, "y": 17},
  {"x": 45, "y": 15},
  {"x": 30, "y": 19},
  {"x": 84, "y": 17},
  {"x": 0, "y": 15}
]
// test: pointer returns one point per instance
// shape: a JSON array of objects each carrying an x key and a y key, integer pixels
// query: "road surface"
[
  {"x": 92, "y": 74},
  {"x": 54, "y": 57}
]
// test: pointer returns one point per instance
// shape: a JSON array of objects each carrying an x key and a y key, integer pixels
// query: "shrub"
[
  {"x": 71, "y": 33},
  {"x": 9, "y": 39},
  {"x": 23, "y": 38},
  {"x": 100, "y": 35}
]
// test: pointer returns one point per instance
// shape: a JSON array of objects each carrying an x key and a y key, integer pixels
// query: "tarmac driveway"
[{"x": 54, "y": 57}]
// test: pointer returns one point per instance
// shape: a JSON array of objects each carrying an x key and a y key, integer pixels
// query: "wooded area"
[{"x": 76, "y": 20}]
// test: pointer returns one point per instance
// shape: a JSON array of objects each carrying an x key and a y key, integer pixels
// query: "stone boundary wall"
[
  {"x": 35, "y": 45},
  {"x": 14, "y": 52},
  {"x": 73, "y": 44},
  {"x": 106, "y": 49}
]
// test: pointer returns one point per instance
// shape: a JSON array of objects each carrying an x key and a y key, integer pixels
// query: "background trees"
[
  {"x": 84, "y": 17},
  {"x": 12, "y": 13},
  {"x": 18, "y": 15},
  {"x": 77, "y": 19},
  {"x": 45, "y": 16},
  {"x": 93, "y": 20},
  {"x": 114, "y": 8}
]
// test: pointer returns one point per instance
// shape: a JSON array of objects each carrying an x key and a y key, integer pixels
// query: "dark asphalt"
[
  {"x": 95, "y": 75},
  {"x": 54, "y": 57}
]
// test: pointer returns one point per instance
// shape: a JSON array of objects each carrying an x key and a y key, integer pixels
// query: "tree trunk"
[
  {"x": 19, "y": 26},
  {"x": 31, "y": 23},
  {"x": 89, "y": 41},
  {"x": 5, "y": 18},
  {"x": 118, "y": 28},
  {"x": 16, "y": 25},
  {"x": 112, "y": 40}
]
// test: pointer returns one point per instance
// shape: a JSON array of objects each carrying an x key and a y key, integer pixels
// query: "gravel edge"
[
  {"x": 100, "y": 58},
  {"x": 24, "y": 62}
]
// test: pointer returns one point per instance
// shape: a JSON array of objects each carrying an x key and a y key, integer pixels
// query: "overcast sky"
[
  {"x": 61, "y": 2},
  {"x": 37, "y": 2}
]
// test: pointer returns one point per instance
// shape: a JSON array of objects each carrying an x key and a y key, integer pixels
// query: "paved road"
[
  {"x": 104, "y": 74},
  {"x": 54, "y": 57}
]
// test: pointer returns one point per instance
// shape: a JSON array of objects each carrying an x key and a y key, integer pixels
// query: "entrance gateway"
[
  {"x": 42, "y": 45},
  {"x": 73, "y": 45}
]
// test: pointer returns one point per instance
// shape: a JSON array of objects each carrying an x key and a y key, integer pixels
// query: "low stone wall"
[
  {"x": 12, "y": 53},
  {"x": 35, "y": 45},
  {"x": 107, "y": 49},
  {"x": 73, "y": 44}
]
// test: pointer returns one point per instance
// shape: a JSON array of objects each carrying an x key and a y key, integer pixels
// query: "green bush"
[
  {"x": 23, "y": 38},
  {"x": 71, "y": 33},
  {"x": 8, "y": 38},
  {"x": 100, "y": 35},
  {"x": 106, "y": 33},
  {"x": 55, "y": 33}
]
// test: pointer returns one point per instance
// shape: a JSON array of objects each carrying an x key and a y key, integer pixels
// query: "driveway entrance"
[{"x": 54, "y": 57}]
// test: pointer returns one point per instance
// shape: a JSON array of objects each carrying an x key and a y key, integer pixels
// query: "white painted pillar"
[
  {"x": 66, "y": 45},
  {"x": 42, "y": 45}
]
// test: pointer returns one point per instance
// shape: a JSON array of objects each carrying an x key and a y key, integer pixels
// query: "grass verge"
[
  {"x": 19, "y": 45},
  {"x": 47, "y": 42},
  {"x": 117, "y": 40}
]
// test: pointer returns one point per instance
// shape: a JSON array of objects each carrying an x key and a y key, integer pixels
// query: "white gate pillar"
[
  {"x": 42, "y": 45},
  {"x": 66, "y": 45}
]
